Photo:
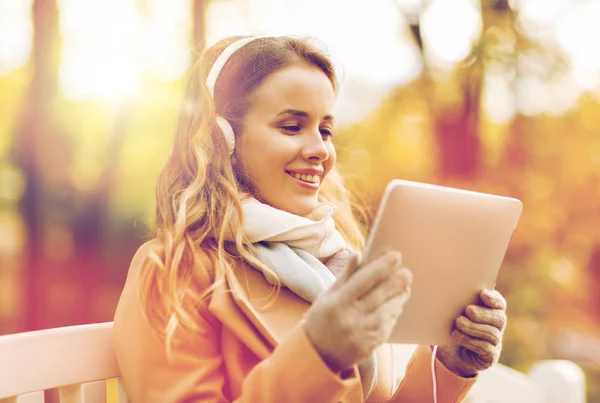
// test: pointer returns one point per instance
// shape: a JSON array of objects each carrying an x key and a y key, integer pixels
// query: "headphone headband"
[
  {"x": 211, "y": 80},
  {"x": 216, "y": 68}
]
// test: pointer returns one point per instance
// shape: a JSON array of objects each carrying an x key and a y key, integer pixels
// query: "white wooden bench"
[
  {"x": 548, "y": 381},
  {"x": 73, "y": 364},
  {"x": 77, "y": 365}
]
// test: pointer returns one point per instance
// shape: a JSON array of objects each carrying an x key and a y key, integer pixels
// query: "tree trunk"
[
  {"x": 457, "y": 131},
  {"x": 199, "y": 21},
  {"x": 34, "y": 130},
  {"x": 456, "y": 125}
]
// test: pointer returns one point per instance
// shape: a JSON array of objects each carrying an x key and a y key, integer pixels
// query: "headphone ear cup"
[{"x": 227, "y": 133}]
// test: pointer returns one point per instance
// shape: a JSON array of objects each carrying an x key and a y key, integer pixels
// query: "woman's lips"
[{"x": 307, "y": 183}]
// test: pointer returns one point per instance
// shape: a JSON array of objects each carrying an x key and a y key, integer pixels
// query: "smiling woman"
[
  {"x": 236, "y": 297},
  {"x": 286, "y": 150}
]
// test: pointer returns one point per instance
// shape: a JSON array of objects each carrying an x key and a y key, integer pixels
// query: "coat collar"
[{"x": 244, "y": 303}]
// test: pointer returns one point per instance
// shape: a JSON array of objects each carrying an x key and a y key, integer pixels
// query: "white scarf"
[{"x": 293, "y": 247}]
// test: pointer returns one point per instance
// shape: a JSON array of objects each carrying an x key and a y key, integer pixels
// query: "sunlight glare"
[
  {"x": 411, "y": 8},
  {"x": 16, "y": 32},
  {"x": 449, "y": 29},
  {"x": 534, "y": 13},
  {"x": 497, "y": 97},
  {"x": 167, "y": 43},
  {"x": 531, "y": 95},
  {"x": 536, "y": 96},
  {"x": 108, "y": 46},
  {"x": 83, "y": 76},
  {"x": 227, "y": 18},
  {"x": 577, "y": 33},
  {"x": 537, "y": 19},
  {"x": 98, "y": 49}
]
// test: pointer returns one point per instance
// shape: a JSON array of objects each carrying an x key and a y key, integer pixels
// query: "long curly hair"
[{"x": 199, "y": 193}]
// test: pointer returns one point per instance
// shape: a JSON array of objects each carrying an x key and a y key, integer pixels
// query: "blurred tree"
[
  {"x": 199, "y": 13},
  {"x": 456, "y": 118},
  {"x": 36, "y": 131},
  {"x": 66, "y": 225}
]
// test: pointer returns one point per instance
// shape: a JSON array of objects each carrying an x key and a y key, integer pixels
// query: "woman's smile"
[{"x": 307, "y": 178}]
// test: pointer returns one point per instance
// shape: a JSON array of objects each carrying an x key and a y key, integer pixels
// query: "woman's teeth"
[{"x": 306, "y": 178}]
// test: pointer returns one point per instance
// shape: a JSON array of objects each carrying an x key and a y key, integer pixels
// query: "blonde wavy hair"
[{"x": 199, "y": 193}]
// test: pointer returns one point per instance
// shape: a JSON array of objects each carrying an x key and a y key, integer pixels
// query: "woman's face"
[{"x": 285, "y": 149}]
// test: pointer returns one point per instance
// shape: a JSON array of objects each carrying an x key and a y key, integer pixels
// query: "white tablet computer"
[{"x": 453, "y": 241}]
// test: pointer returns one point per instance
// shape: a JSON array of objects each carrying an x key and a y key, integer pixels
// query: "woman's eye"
[
  {"x": 326, "y": 132},
  {"x": 291, "y": 128}
]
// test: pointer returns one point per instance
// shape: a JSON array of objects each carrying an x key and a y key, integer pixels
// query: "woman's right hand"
[{"x": 357, "y": 314}]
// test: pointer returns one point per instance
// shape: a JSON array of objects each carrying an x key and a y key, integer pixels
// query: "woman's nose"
[{"x": 314, "y": 146}]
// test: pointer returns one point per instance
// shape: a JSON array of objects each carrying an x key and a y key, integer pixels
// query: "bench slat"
[
  {"x": 54, "y": 358},
  {"x": 122, "y": 395},
  {"x": 33, "y": 397},
  {"x": 115, "y": 393},
  {"x": 90, "y": 392}
]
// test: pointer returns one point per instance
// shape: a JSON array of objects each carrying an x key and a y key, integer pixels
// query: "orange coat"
[{"x": 248, "y": 354}]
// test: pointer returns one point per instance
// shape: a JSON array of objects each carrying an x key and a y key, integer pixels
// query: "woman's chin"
[{"x": 302, "y": 207}]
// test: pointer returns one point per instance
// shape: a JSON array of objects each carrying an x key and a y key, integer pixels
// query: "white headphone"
[{"x": 211, "y": 80}]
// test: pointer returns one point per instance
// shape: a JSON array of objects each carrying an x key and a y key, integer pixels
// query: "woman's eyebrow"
[{"x": 302, "y": 114}]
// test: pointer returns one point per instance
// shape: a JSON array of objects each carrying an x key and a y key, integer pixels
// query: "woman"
[{"x": 253, "y": 225}]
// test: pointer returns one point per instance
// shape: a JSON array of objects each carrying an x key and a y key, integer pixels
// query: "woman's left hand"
[{"x": 477, "y": 336}]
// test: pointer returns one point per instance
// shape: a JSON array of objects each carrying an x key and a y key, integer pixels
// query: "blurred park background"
[{"x": 491, "y": 95}]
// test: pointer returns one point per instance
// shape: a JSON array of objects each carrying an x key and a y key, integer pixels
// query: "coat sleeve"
[
  {"x": 294, "y": 372},
  {"x": 417, "y": 384}
]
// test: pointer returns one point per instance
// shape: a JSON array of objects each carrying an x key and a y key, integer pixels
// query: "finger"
[
  {"x": 395, "y": 305},
  {"x": 477, "y": 330},
  {"x": 486, "y": 316},
  {"x": 484, "y": 350},
  {"x": 493, "y": 299},
  {"x": 372, "y": 274},
  {"x": 351, "y": 268},
  {"x": 388, "y": 312},
  {"x": 396, "y": 284}
]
